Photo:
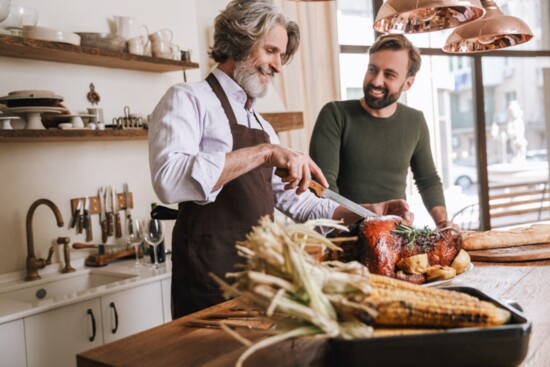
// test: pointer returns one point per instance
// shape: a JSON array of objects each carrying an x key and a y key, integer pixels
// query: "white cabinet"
[
  {"x": 12, "y": 344},
  {"x": 53, "y": 338},
  {"x": 131, "y": 311},
  {"x": 167, "y": 299}
]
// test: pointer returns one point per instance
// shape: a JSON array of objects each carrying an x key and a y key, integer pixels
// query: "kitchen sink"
[{"x": 64, "y": 286}]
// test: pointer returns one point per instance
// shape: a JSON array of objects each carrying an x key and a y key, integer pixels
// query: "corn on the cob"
[{"x": 402, "y": 303}]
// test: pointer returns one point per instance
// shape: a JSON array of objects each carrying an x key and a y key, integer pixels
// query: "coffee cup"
[
  {"x": 166, "y": 50},
  {"x": 163, "y": 35},
  {"x": 137, "y": 45}
]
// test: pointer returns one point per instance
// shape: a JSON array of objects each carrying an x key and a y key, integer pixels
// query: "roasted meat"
[{"x": 380, "y": 247}]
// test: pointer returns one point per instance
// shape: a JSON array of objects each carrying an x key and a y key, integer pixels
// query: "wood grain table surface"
[{"x": 178, "y": 344}]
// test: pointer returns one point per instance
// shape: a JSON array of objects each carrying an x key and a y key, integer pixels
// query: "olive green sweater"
[{"x": 366, "y": 158}]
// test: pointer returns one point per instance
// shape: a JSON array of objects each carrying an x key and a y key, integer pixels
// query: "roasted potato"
[
  {"x": 416, "y": 264},
  {"x": 461, "y": 262},
  {"x": 438, "y": 272}
]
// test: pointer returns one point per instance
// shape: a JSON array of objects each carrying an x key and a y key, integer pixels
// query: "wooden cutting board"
[{"x": 512, "y": 254}]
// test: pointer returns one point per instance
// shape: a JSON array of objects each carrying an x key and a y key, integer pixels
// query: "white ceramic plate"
[
  {"x": 440, "y": 282},
  {"x": 50, "y": 34},
  {"x": 19, "y": 110}
]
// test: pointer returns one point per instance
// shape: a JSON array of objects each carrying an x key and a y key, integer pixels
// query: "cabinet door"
[
  {"x": 167, "y": 299},
  {"x": 12, "y": 344},
  {"x": 131, "y": 311},
  {"x": 55, "y": 337}
]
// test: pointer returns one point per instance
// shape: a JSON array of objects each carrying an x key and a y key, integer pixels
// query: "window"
[{"x": 447, "y": 92}]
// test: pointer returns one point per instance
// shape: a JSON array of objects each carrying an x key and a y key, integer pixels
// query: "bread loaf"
[{"x": 537, "y": 233}]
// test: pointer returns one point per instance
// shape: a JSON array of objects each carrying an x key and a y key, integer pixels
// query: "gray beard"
[{"x": 247, "y": 77}]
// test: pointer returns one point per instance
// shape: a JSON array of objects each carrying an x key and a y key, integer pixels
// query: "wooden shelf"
[
  {"x": 282, "y": 121},
  {"x": 27, "y": 48},
  {"x": 57, "y": 135}
]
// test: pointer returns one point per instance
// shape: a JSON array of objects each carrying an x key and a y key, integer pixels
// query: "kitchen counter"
[
  {"x": 13, "y": 309},
  {"x": 176, "y": 344}
]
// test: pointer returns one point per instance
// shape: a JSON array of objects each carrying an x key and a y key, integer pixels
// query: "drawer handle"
[
  {"x": 112, "y": 305},
  {"x": 90, "y": 312}
]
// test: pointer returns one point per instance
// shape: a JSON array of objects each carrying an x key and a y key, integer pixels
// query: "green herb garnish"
[{"x": 411, "y": 234}]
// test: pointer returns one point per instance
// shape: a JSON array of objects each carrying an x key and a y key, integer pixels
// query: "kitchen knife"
[
  {"x": 323, "y": 192},
  {"x": 128, "y": 210},
  {"x": 118, "y": 228},
  {"x": 103, "y": 217},
  {"x": 80, "y": 221},
  {"x": 76, "y": 213},
  {"x": 87, "y": 224},
  {"x": 109, "y": 210}
]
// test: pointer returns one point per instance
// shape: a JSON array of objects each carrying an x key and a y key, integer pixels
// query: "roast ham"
[{"x": 380, "y": 247}]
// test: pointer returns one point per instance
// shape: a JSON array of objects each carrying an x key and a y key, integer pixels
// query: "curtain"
[{"x": 312, "y": 77}]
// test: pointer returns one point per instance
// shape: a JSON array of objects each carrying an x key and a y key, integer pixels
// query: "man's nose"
[
  {"x": 377, "y": 79},
  {"x": 276, "y": 63}
]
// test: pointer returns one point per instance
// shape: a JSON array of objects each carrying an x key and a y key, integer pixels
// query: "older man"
[{"x": 211, "y": 153}]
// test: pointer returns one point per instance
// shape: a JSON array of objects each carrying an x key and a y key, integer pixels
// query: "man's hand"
[{"x": 295, "y": 168}]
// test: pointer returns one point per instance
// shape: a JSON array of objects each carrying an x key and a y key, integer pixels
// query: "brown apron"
[{"x": 204, "y": 236}]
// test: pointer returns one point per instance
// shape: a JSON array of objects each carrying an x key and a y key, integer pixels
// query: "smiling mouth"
[{"x": 376, "y": 92}]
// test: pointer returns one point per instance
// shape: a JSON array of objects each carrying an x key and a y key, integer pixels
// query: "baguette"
[{"x": 535, "y": 234}]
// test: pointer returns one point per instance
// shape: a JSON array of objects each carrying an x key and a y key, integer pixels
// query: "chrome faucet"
[{"x": 33, "y": 264}]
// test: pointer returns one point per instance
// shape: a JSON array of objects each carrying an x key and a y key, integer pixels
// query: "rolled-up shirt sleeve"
[{"x": 182, "y": 168}]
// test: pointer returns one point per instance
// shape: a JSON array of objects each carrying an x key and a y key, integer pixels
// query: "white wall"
[{"x": 65, "y": 170}]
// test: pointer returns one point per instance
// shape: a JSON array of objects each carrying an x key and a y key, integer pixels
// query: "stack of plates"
[
  {"x": 34, "y": 98},
  {"x": 50, "y": 34}
]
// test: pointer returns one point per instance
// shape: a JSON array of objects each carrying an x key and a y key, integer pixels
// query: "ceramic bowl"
[
  {"x": 50, "y": 34},
  {"x": 102, "y": 40}
]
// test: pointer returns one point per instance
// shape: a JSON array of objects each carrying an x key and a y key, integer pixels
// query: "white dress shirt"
[{"x": 189, "y": 136}]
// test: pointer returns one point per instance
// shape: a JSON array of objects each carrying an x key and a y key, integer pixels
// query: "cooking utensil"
[
  {"x": 87, "y": 224},
  {"x": 323, "y": 192},
  {"x": 128, "y": 209},
  {"x": 118, "y": 227},
  {"x": 102, "y": 216},
  {"x": 76, "y": 213},
  {"x": 80, "y": 221},
  {"x": 109, "y": 209}
]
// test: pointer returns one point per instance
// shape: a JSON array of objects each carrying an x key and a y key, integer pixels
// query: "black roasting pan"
[{"x": 504, "y": 345}]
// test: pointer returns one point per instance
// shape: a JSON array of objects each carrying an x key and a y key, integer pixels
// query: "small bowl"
[{"x": 102, "y": 40}]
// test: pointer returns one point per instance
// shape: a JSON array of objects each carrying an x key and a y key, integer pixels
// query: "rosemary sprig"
[{"x": 411, "y": 234}]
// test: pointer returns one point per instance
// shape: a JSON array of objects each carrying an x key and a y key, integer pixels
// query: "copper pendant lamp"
[
  {"x": 418, "y": 16},
  {"x": 494, "y": 31}
]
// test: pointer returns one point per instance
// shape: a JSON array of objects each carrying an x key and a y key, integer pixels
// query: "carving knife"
[
  {"x": 87, "y": 223},
  {"x": 80, "y": 221},
  {"x": 109, "y": 209},
  {"x": 103, "y": 217},
  {"x": 323, "y": 192},
  {"x": 76, "y": 213},
  {"x": 128, "y": 210},
  {"x": 116, "y": 209}
]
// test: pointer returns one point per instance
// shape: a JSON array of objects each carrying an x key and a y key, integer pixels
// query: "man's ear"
[{"x": 408, "y": 83}]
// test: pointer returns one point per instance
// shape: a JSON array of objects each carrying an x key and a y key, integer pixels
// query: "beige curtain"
[{"x": 312, "y": 78}]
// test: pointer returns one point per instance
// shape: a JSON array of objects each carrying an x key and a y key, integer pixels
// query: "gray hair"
[
  {"x": 399, "y": 42},
  {"x": 244, "y": 23}
]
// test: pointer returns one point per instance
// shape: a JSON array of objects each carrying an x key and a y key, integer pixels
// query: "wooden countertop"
[{"x": 175, "y": 344}]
